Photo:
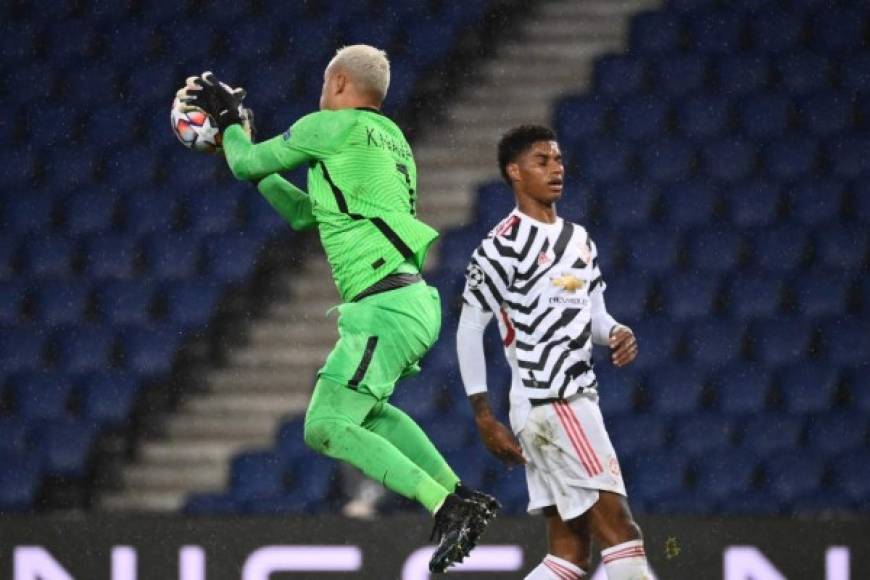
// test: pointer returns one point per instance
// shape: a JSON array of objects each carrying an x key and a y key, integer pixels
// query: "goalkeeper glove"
[{"x": 218, "y": 99}]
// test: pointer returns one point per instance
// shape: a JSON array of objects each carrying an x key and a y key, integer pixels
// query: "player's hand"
[
  {"x": 499, "y": 440},
  {"x": 218, "y": 99},
  {"x": 623, "y": 346}
]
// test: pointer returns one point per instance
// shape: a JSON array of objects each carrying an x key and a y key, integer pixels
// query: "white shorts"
[{"x": 570, "y": 456}]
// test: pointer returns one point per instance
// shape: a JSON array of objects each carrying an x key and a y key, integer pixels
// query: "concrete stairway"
[{"x": 271, "y": 377}]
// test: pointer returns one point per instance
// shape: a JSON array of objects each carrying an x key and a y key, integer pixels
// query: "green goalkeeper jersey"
[{"x": 362, "y": 188}]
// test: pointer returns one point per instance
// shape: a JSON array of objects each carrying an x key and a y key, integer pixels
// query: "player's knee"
[{"x": 318, "y": 435}]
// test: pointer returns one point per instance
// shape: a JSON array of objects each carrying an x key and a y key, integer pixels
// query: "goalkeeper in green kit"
[{"x": 361, "y": 197}]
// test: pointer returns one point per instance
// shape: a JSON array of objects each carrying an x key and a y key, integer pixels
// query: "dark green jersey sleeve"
[{"x": 291, "y": 203}]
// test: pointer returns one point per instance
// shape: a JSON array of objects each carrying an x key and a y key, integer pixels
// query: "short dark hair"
[{"x": 517, "y": 141}]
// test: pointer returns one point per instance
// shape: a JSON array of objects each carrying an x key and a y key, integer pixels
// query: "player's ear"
[
  {"x": 340, "y": 82},
  {"x": 513, "y": 171}
]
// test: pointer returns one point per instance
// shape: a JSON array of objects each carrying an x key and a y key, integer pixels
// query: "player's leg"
[
  {"x": 567, "y": 549},
  {"x": 619, "y": 536},
  {"x": 333, "y": 426}
]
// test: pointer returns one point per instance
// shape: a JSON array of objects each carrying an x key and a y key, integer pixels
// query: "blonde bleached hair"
[{"x": 366, "y": 65}]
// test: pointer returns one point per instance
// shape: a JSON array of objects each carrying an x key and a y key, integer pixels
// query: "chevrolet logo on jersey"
[{"x": 568, "y": 282}]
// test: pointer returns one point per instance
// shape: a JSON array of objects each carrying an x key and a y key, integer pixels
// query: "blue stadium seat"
[
  {"x": 729, "y": 159},
  {"x": 725, "y": 473},
  {"x": 757, "y": 202},
  {"x": 668, "y": 160},
  {"x": 821, "y": 292},
  {"x": 34, "y": 82},
  {"x": 190, "y": 304},
  {"x": 49, "y": 256},
  {"x": 495, "y": 201},
  {"x": 676, "y": 389},
  {"x": 194, "y": 40},
  {"x": 817, "y": 202},
  {"x": 629, "y": 293},
  {"x": 580, "y": 117},
  {"x": 680, "y": 74},
  {"x": 617, "y": 75},
  {"x": 106, "y": 398},
  {"x": 58, "y": 302},
  {"x": 8, "y": 256},
  {"x": 149, "y": 211},
  {"x": 846, "y": 341},
  {"x": 754, "y": 295},
  {"x": 751, "y": 503},
  {"x": 689, "y": 203},
  {"x": 446, "y": 436},
  {"x": 659, "y": 336},
  {"x": 88, "y": 212},
  {"x": 780, "y": 249},
  {"x": 704, "y": 115},
  {"x": 637, "y": 434},
  {"x": 290, "y": 442},
  {"x": 148, "y": 352},
  {"x": 843, "y": 248},
  {"x": 742, "y": 74},
  {"x": 261, "y": 217},
  {"x": 211, "y": 504},
  {"x": 13, "y": 436},
  {"x": 511, "y": 490},
  {"x": 28, "y": 213},
  {"x": 654, "y": 250},
  {"x": 775, "y": 31},
  {"x": 18, "y": 169},
  {"x": 52, "y": 126},
  {"x": 742, "y": 390},
  {"x": 791, "y": 158},
  {"x": 126, "y": 302},
  {"x": 851, "y": 476},
  {"x": 702, "y": 433},
  {"x": 21, "y": 349},
  {"x": 110, "y": 256},
  {"x": 153, "y": 81},
  {"x": 97, "y": 83},
  {"x": 714, "y": 250},
  {"x": 40, "y": 395},
  {"x": 770, "y": 433},
  {"x": 765, "y": 116},
  {"x": 606, "y": 160},
  {"x": 19, "y": 482},
  {"x": 257, "y": 475},
  {"x": 848, "y": 155},
  {"x": 781, "y": 341},
  {"x": 470, "y": 469},
  {"x": 656, "y": 475},
  {"x": 12, "y": 296},
  {"x": 83, "y": 348},
  {"x": 617, "y": 389},
  {"x": 690, "y": 296},
  {"x": 715, "y": 343},
  {"x": 172, "y": 256},
  {"x": 715, "y": 32},
  {"x": 839, "y": 30},
  {"x": 826, "y": 113},
  {"x": 641, "y": 117},
  {"x": 808, "y": 387},
  {"x": 792, "y": 474},
  {"x": 113, "y": 125},
  {"x": 231, "y": 258},
  {"x": 65, "y": 171},
  {"x": 64, "y": 447},
  {"x": 628, "y": 204},
  {"x": 837, "y": 432},
  {"x": 656, "y": 32},
  {"x": 211, "y": 214},
  {"x": 804, "y": 72},
  {"x": 855, "y": 71}
]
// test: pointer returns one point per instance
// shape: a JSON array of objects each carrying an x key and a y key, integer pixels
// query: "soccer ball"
[{"x": 195, "y": 128}]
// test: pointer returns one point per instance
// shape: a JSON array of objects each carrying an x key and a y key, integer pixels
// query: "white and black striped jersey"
[{"x": 539, "y": 279}]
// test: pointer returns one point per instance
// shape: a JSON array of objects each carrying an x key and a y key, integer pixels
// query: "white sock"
[
  {"x": 626, "y": 561},
  {"x": 555, "y": 568}
]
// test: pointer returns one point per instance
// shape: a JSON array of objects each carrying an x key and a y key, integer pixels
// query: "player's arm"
[
  {"x": 291, "y": 203},
  {"x": 606, "y": 331},
  {"x": 496, "y": 436},
  {"x": 251, "y": 161}
]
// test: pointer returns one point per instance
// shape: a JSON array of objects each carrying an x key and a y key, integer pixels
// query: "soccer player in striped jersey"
[
  {"x": 361, "y": 197},
  {"x": 538, "y": 275}
]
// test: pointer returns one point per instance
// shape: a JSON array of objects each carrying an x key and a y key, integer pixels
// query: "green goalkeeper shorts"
[{"x": 383, "y": 337}]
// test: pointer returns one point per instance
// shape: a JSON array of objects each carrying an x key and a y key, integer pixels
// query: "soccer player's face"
[{"x": 540, "y": 173}]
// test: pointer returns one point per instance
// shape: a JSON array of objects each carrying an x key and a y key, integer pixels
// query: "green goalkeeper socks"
[{"x": 379, "y": 440}]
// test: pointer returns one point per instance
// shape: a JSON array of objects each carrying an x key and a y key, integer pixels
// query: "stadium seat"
[
  {"x": 804, "y": 72},
  {"x": 19, "y": 482},
  {"x": 691, "y": 296},
  {"x": 791, "y": 158},
  {"x": 172, "y": 256},
  {"x": 661, "y": 337},
  {"x": 125, "y": 302},
  {"x": 840, "y": 30},
  {"x": 631, "y": 291},
  {"x": 668, "y": 160},
  {"x": 653, "y": 250},
  {"x": 231, "y": 257},
  {"x": 13, "y": 436},
  {"x": 113, "y": 125},
  {"x": 40, "y": 395},
  {"x": 704, "y": 116},
  {"x": 617, "y": 75},
  {"x": 260, "y": 217},
  {"x": 780, "y": 249},
  {"x": 770, "y": 433},
  {"x": 689, "y": 203},
  {"x": 754, "y": 295},
  {"x": 190, "y": 304},
  {"x": 742, "y": 390},
  {"x": 703, "y": 433},
  {"x": 741, "y": 74},
  {"x": 641, "y": 117},
  {"x": 628, "y": 204},
  {"x": 857, "y": 380},
  {"x": 851, "y": 476},
  {"x": 855, "y": 71},
  {"x": 8, "y": 254},
  {"x": 212, "y": 504},
  {"x": 846, "y": 341},
  {"x": 715, "y": 32},
  {"x": 825, "y": 114},
  {"x": 781, "y": 342},
  {"x": 130, "y": 167},
  {"x": 715, "y": 343},
  {"x": 70, "y": 172},
  {"x": 618, "y": 390},
  {"x": 49, "y": 256},
  {"x": 106, "y": 398},
  {"x": 792, "y": 474},
  {"x": 775, "y": 31},
  {"x": 836, "y": 432},
  {"x": 21, "y": 349},
  {"x": 765, "y": 116},
  {"x": 580, "y": 117},
  {"x": 110, "y": 256},
  {"x": 82, "y": 348},
  {"x": 637, "y": 434},
  {"x": 843, "y": 248},
  {"x": 148, "y": 352},
  {"x": 680, "y": 74},
  {"x": 89, "y": 212},
  {"x": 64, "y": 447},
  {"x": 149, "y": 211},
  {"x": 817, "y": 202},
  {"x": 211, "y": 213},
  {"x": 12, "y": 296},
  {"x": 656, "y": 32},
  {"x": 848, "y": 155},
  {"x": 725, "y": 473},
  {"x": 808, "y": 387},
  {"x": 656, "y": 475},
  {"x": 675, "y": 389},
  {"x": 257, "y": 475},
  {"x": 607, "y": 160},
  {"x": 729, "y": 159},
  {"x": 821, "y": 292},
  {"x": 714, "y": 250},
  {"x": 754, "y": 203}
]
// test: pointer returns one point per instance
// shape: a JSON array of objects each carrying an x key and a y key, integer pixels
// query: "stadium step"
[{"x": 141, "y": 501}]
